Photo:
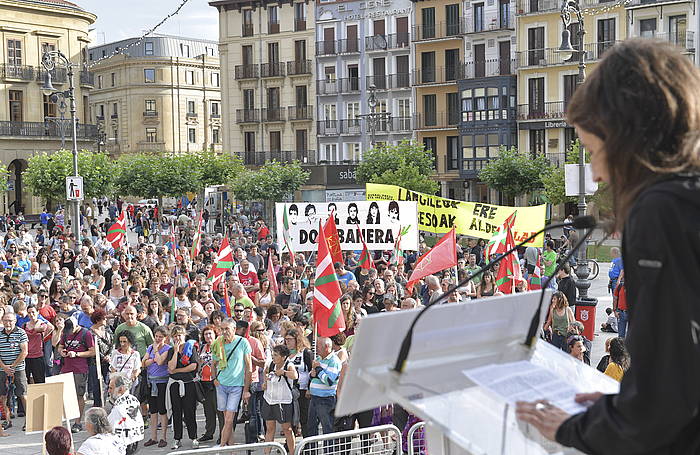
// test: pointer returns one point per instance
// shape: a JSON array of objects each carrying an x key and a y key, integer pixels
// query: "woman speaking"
[{"x": 638, "y": 115}]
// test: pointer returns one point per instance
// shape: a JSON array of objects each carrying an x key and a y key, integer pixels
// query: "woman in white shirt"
[
  {"x": 277, "y": 405},
  {"x": 125, "y": 358},
  {"x": 102, "y": 440}
]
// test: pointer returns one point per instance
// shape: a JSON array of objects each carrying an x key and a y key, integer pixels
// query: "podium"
[{"x": 461, "y": 417}]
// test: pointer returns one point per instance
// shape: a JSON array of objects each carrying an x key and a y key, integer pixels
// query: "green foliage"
[
  {"x": 273, "y": 182},
  {"x": 217, "y": 169},
  {"x": 4, "y": 175},
  {"x": 156, "y": 175},
  {"x": 407, "y": 164},
  {"x": 514, "y": 174},
  {"x": 46, "y": 174}
]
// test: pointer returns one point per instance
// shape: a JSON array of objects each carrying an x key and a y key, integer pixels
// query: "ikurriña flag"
[
  {"x": 116, "y": 235},
  {"x": 223, "y": 262},
  {"x": 365, "y": 261},
  {"x": 327, "y": 312}
]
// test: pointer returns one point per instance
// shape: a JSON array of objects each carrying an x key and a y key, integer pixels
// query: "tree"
[
  {"x": 273, "y": 182},
  {"x": 46, "y": 174},
  {"x": 156, "y": 175},
  {"x": 514, "y": 173},
  {"x": 217, "y": 169},
  {"x": 407, "y": 164}
]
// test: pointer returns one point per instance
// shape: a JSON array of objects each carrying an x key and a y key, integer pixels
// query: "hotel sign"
[{"x": 370, "y": 9}]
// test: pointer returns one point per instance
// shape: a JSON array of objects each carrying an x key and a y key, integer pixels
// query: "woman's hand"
[
  {"x": 588, "y": 399},
  {"x": 542, "y": 415}
]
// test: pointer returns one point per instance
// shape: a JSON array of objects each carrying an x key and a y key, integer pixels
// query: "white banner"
[{"x": 379, "y": 221}]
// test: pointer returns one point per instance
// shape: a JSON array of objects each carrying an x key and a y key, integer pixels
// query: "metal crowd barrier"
[
  {"x": 379, "y": 440},
  {"x": 260, "y": 448},
  {"x": 416, "y": 446}
]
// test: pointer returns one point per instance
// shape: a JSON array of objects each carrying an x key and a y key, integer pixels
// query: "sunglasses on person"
[{"x": 238, "y": 311}]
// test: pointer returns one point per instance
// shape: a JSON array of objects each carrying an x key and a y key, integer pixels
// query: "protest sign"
[
  {"x": 438, "y": 215},
  {"x": 43, "y": 411},
  {"x": 380, "y": 223},
  {"x": 70, "y": 398}
]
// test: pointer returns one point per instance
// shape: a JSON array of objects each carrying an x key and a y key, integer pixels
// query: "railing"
[
  {"x": 350, "y": 126},
  {"x": 488, "y": 68},
  {"x": 349, "y": 84},
  {"x": 551, "y": 110},
  {"x": 273, "y": 27},
  {"x": 21, "y": 72},
  {"x": 415, "y": 439},
  {"x": 685, "y": 40},
  {"x": 341, "y": 46},
  {"x": 247, "y": 115},
  {"x": 391, "y": 81},
  {"x": 45, "y": 129},
  {"x": 191, "y": 115},
  {"x": 275, "y": 114},
  {"x": 87, "y": 78},
  {"x": 324, "y": 87},
  {"x": 117, "y": 115},
  {"x": 439, "y": 30},
  {"x": 272, "y": 69},
  {"x": 328, "y": 127},
  {"x": 438, "y": 75},
  {"x": 354, "y": 441},
  {"x": 349, "y": 46},
  {"x": 300, "y": 112},
  {"x": 399, "y": 124},
  {"x": 300, "y": 67},
  {"x": 384, "y": 42},
  {"x": 552, "y": 56},
  {"x": 267, "y": 448},
  {"x": 490, "y": 22},
  {"x": 259, "y": 158},
  {"x": 247, "y": 71},
  {"x": 150, "y": 113},
  {"x": 548, "y": 6},
  {"x": 299, "y": 25},
  {"x": 247, "y": 30},
  {"x": 328, "y": 47},
  {"x": 435, "y": 120},
  {"x": 58, "y": 75}
]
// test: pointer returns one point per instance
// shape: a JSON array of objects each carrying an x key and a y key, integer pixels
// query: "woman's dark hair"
[
  {"x": 98, "y": 314},
  {"x": 339, "y": 338},
  {"x": 211, "y": 327},
  {"x": 642, "y": 102},
  {"x": 370, "y": 220},
  {"x": 619, "y": 354},
  {"x": 128, "y": 335},
  {"x": 162, "y": 330},
  {"x": 562, "y": 301},
  {"x": 58, "y": 441},
  {"x": 216, "y": 315},
  {"x": 281, "y": 350},
  {"x": 574, "y": 339}
]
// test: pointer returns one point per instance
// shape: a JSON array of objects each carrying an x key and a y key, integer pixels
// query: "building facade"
[
  {"x": 673, "y": 21},
  {"x": 437, "y": 39},
  {"x": 488, "y": 92},
  {"x": 267, "y": 52},
  {"x": 362, "y": 47},
  {"x": 30, "y": 123},
  {"x": 161, "y": 94}
]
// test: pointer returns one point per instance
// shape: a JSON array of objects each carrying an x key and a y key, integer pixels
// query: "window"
[
  {"x": 504, "y": 14},
  {"x": 331, "y": 152},
  {"x": 478, "y": 17},
  {"x": 452, "y": 64},
  {"x": 249, "y": 98},
  {"x": 148, "y": 48},
  {"x": 427, "y": 66},
  {"x": 189, "y": 77},
  {"x": 191, "y": 135},
  {"x": 429, "y": 110},
  {"x": 537, "y": 142},
  {"x": 99, "y": 81},
  {"x": 302, "y": 140},
  {"x": 113, "y": 77},
  {"x": 273, "y": 53},
  {"x": 104, "y": 53},
  {"x": 352, "y": 152},
  {"x": 215, "y": 80},
  {"x": 149, "y": 75},
  {"x": 353, "y": 111},
  {"x": 150, "y": 106},
  {"x": 215, "y": 136},
  {"x": 452, "y": 100},
  {"x": 453, "y": 19},
  {"x": 215, "y": 109},
  {"x": 430, "y": 145},
  {"x": 301, "y": 95},
  {"x": 49, "y": 107},
  {"x": 209, "y": 51},
  {"x": 273, "y": 98},
  {"x": 569, "y": 87},
  {"x": 101, "y": 111},
  {"x": 249, "y": 147},
  {"x": 606, "y": 35},
  {"x": 535, "y": 45},
  {"x": 184, "y": 50},
  {"x": 452, "y": 153},
  {"x": 273, "y": 22},
  {"x": 647, "y": 28},
  {"x": 535, "y": 91},
  {"x": 428, "y": 16},
  {"x": 14, "y": 52},
  {"x": 329, "y": 112},
  {"x": 151, "y": 135},
  {"x": 115, "y": 135},
  {"x": 677, "y": 27},
  {"x": 569, "y": 137},
  {"x": 91, "y": 57},
  {"x": 299, "y": 17},
  {"x": 275, "y": 141},
  {"x": 115, "y": 109},
  {"x": 191, "y": 108},
  {"x": 247, "y": 22}
]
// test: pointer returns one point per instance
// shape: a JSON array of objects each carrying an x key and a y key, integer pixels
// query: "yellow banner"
[{"x": 474, "y": 219}]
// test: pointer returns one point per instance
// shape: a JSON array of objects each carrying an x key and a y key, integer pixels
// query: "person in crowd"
[
  {"x": 619, "y": 359},
  {"x": 487, "y": 287},
  {"x": 566, "y": 284},
  {"x": 616, "y": 268},
  {"x": 576, "y": 347},
  {"x": 58, "y": 441},
  {"x": 558, "y": 320},
  {"x": 620, "y": 308},
  {"x": 155, "y": 362},
  {"x": 183, "y": 362},
  {"x": 124, "y": 358},
  {"x": 13, "y": 352},
  {"x": 206, "y": 380},
  {"x": 102, "y": 440},
  {"x": 37, "y": 330},
  {"x": 610, "y": 325},
  {"x": 104, "y": 340},
  {"x": 125, "y": 417},
  {"x": 278, "y": 396},
  {"x": 325, "y": 370}
]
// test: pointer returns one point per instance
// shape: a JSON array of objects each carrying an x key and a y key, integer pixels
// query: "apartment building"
[
  {"x": 673, "y": 21},
  {"x": 362, "y": 47},
  {"x": 488, "y": 92},
  {"x": 30, "y": 123},
  {"x": 546, "y": 80},
  {"x": 161, "y": 94},
  {"x": 437, "y": 38},
  {"x": 266, "y": 58}
]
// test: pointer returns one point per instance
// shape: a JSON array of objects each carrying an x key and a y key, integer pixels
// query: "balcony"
[
  {"x": 300, "y": 113},
  {"x": 488, "y": 68},
  {"x": 87, "y": 78},
  {"x": 326, "y": 48},
  {"x": 392, "y": 81},
  {"x": 549, "y": 6},
  {"x": 400, "y": 124},
  {"x": 440, "y": 75},
  {"x": 150, "y": 114},
  {"x": 441, "y": 30},
  {"x": 328, "y": 127},
  {"x": 348, "y": 46},
  {"x": 335, "y": 47},
  {"x": 301, "y": 67},
  {"x": 551, "y": 55},
  {"x": 684, "y": 40},
  {"x": 247, "y": 30},
  {"x": 328, "y": 87},
  {"x": 551, "y": 110},
  {"x": 116, "y": 116},
  {"x": 435, "y": 120},
  {"x": 272, "y": 69},
  {"x": 247, "y": 72},
  {"x": 491, "y": 23},
  {"x": 247, "y": 115},
  {"x": 273, "y": 27},
  {"x": 384, "y": 42},
  {"x": 273, "y": 114},
  {"x": 58, "y": 75},
  {"x": 18, "y": 72},
  {"x": 299, "y": 25},
  {"x": 251, "y": 158},
  {"x": 350, "y": 126},
  {"x": 45, "y": 130},
  {"x": 191, "y": 115},
  {"x": 349, "y": 85}
]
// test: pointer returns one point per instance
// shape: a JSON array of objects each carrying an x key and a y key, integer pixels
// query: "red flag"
[
  {"x": 223, "y": 262},
  {"x": 270, "y": 272},
  {"x": 536, "y": 277},
  {"x": 331, "y": 234},
  {"x": 197, "y": 239},
  {"x": 365, "y": 258},
  {"x": 227, "y": 300},
  {"x": 440, "y": 257},
  {"x": 509, "y": 270},
  {"x": 327, "y": 313},
  {"x": 116, "y": 235}
]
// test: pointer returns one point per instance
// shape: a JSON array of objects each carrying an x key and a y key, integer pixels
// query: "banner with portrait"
[
  {"x": 475, "y": 219},
  {"x": 380, "y": 223}
]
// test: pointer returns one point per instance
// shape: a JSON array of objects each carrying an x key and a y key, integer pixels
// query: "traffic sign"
[{"x": 74, "y": 188}]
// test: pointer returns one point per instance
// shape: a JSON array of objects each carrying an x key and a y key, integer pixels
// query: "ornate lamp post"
[{"x": 373, "y": 117}]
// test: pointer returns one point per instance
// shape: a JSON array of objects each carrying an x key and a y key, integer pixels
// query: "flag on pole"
[
  {"x": 172, "y": 300},
  {"x": 270, "y": 272},
  {"x": 331, "y": 234},
  {"x": 287, "y": 238},
  {"x": 536, "y": 277},
  {"x": 497, "y": 243},
  {"x": 227, "y": 300},
  {"x": 509, "y": 271},
  {"x": 173, "y": 238},
  {"x": 197, "y": 239},
  {"x": 116, "y": 234},
  {"x": 222, "y": 263},
  {"x": 366, "y": 261},
  {"x": 327, "y": 313},
  {"x": 440, "y": 257},
  {"x": 396, "y": 254}
]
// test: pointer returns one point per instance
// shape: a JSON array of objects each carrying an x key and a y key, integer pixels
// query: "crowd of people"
[{"x": 149, "y": 339}]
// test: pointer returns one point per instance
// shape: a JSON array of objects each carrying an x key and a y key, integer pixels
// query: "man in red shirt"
[
  {"x": 263, "y": 231},
  {"x": 249, "y": 279},
  {"x": 620, "y": 307}
]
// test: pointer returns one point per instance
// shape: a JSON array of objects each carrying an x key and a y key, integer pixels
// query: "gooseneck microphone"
[{"x": 580, "y": 222}]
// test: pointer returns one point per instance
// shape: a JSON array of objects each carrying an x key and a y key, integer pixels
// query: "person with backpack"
[{"x": 277, "y": 405}]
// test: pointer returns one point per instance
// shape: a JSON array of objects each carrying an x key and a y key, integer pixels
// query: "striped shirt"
[
  {"x": 325, "y": 382},
  {"x": 10, "y": 346}
]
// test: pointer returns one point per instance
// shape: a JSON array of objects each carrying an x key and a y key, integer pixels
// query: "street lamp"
[
  {"x": 568, "y": 8},
  {"x": 49, "y": 61},
  {"x": 373, "y": 117}
]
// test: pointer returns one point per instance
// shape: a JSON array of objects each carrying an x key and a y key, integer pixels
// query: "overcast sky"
[{"x": 121, "y": 19}]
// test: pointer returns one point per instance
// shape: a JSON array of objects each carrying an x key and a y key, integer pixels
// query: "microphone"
[{"x": 579, "y": 222}]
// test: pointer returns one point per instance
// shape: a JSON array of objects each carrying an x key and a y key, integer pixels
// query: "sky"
[{"x": 119, "y": 19}]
